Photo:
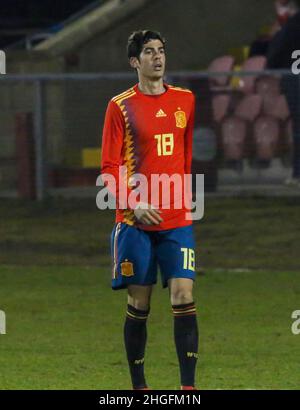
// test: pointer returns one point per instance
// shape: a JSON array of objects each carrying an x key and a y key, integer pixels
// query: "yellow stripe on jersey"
[
  {"x": 123, "y": 93},
  {"x": 172, "y": 87},
  {"x": 123, "y": 96},
  {"x": 129, "y": 217},
  {"x": 119, "y": 102}
]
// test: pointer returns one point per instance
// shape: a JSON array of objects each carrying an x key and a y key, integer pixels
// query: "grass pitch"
[{"x": 64, "y": 324}]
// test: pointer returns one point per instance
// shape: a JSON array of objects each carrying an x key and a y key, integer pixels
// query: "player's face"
[{"x": 152, "y": 60}]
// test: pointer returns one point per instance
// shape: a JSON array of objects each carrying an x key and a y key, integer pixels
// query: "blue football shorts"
[{"x": 136, "y": 255}]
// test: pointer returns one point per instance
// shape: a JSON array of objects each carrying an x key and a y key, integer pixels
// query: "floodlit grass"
[
  {"x": 254, "y": 233},
  {"x": 64, "y": 324}
]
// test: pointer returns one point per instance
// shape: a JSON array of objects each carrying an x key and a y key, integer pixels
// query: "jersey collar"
[{"x": 138, "y": 91}]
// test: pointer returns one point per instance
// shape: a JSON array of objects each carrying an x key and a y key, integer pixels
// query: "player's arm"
[
  {"x": 188, "y": 139},
  {"x": 188, "y": 152},
  {"x": 112, "y": 143}
]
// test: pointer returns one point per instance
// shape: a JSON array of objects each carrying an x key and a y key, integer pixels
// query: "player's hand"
[{"x": 147, "y": 215}]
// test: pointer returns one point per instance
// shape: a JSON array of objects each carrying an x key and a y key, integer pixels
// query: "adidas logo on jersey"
[{"x": 160, "y": 113}]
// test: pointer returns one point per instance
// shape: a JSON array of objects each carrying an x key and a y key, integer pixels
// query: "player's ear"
[{"x": 134, "y": 62}]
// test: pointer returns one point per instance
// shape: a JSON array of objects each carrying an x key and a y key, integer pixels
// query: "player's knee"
[
  {"x": 139, "y": 297},
  {"x": 181, "y": 297},
  {"x": 139, "y": 304}
]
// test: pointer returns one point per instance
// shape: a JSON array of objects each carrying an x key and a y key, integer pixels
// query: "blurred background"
[{"x": 64, "y": 61}]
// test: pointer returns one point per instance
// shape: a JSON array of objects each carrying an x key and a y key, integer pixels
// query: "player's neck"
[{"x": 151, "y": 87}]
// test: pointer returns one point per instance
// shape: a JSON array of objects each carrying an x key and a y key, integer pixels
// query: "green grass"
[
  {"x": 254, "y": 233},
  {"x": 64, "y": 324}
]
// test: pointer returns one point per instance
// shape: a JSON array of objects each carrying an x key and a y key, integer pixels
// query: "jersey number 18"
[{"x": 165, "y": 144}]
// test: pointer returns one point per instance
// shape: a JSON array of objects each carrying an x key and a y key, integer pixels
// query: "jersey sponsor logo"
[
  {"x": 127, "y": 269},
  {"x": 180, "y": 119},
  {"x": 160, "y": 114}
]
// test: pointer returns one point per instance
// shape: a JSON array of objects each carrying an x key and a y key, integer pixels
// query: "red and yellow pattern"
[
  {"x": 150, "y": 134},
  {"x": 129, "y": 160}
]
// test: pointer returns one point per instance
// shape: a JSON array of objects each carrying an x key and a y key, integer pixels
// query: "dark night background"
[{"x": 19, "y": 18}]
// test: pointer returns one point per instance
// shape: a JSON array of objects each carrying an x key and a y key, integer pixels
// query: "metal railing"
[{"x": 69, "y": 111}]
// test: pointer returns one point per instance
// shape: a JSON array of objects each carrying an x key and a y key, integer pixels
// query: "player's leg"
[
  {"x": 139, "y": 297},
  {"x": 135, "y": 332},
  {"x": 176, "y": 257},
  {"x": 185, "y": 329},
  {"x": 134, "y": 268}
]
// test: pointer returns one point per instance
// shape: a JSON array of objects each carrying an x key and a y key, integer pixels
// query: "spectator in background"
[
  {"x": 284, "y": 43},
  {"x": 284, "y": 9}
]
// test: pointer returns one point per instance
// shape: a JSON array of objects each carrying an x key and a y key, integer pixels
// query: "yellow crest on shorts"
[
  {"x": 127, "y": 269},
  {"x": 180, "y": 119}
]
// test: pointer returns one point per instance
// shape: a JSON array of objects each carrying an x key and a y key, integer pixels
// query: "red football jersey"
[{"x": 150, "y": 134}]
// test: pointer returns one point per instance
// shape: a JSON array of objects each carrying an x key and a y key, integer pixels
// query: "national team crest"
[
  {"x": 127, "y": 269},
  {"x": 180, "y": 119}
]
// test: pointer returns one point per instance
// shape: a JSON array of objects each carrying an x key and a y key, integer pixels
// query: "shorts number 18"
[{"x": 188, "y": 258}]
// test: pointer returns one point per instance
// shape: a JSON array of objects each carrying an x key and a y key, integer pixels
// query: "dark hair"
[{"x": 138, "y": 38}]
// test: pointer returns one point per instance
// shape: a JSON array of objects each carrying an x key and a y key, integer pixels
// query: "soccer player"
[{"x": 148, "y": 129}]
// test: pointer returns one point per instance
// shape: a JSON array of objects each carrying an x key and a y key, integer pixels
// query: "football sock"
[
  {"x": 186, "y": 341},
  {"x": 135, "y": 337}
]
